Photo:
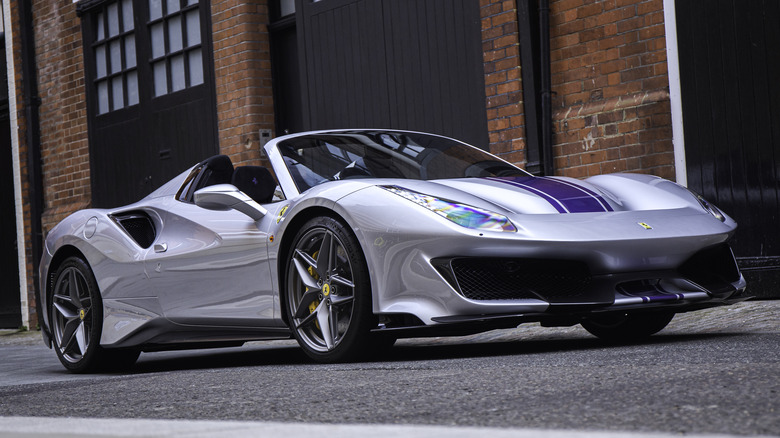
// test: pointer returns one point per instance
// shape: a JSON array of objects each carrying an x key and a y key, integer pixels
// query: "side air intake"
[{"x": 138, "y": 225}]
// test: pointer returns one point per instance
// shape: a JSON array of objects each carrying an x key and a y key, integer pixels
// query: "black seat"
[
  {"x": 217, "y": 170},
  {"x": 213, "y": 170},
  {"x": 255, "y": 181}
]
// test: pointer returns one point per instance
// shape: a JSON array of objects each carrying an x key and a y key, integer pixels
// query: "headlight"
[
  {"x": 463, "y": 215},
  {"x": 710, "y": 208}
]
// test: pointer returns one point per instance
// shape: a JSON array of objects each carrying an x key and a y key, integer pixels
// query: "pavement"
[
  {"x": 27, "y": 427},
  {"x": 751, "y": 316}
]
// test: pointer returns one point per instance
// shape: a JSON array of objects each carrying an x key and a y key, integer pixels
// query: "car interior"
[{"x": 257, "y": 182}]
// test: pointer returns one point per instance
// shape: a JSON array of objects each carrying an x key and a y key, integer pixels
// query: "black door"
[
  {"x": 10, "y": 302},
  {"x": 288, "y": 112},
  {"x": 405, "y": 64},
  {"x": 730, "y": 76},
  {"x": 151, "y": 96}
]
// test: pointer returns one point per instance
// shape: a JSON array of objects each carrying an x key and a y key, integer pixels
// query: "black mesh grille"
[
  {"x": 139, "y": 226},
  {"x": 511, "y": 279},
  {"x": 713, "y": 268}
]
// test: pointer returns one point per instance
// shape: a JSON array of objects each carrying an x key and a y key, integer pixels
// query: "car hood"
[
  {"x": 519, "y": 195},
  {"x": 536, "y": 195},
  {"x": 558, "y": 195}
]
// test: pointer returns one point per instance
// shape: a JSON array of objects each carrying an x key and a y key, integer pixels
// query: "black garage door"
[
  {"x": 730, "y": 76},
  {"x": 151, "y": 96},
  {"x": 405, "y": 64},
  {"x": 10, "y": 302}
]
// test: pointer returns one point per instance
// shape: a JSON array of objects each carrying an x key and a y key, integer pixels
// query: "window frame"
[
  {"x": 98, "y": 13},
  {"x": 185, "y": 51},
  {"x": 91, "y": 11}
]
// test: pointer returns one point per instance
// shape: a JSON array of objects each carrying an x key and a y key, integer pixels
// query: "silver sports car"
[{"x": 360, "y": 237}]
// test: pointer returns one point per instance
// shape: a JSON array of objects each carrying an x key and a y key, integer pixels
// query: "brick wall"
[
  {"x": 610, "y": 85},
  {"x": 63, "y": 110},
  {"x": 63, "y": 122},
  {"x": 63, "y": 119},
  {"x": 609, "y": 81},
  {"x": 242, "y": 64},
  {"x": 502, "y": 80}
]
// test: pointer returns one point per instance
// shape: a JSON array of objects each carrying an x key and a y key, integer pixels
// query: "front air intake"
[
  {"x": 713, "y": 268},
  {"x": 512, "y": 279}
]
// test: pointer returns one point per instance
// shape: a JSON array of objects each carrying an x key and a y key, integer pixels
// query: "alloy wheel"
[
  {"x": 72, "y": 315},
  {"x": 321, "y": 289}
]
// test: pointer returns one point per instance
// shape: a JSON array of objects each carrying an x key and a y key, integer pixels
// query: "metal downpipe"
[
  {"x": 33, "y": 140},
  {"x": 546, "y": 87}
]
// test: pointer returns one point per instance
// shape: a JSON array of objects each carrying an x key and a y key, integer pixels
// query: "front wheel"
[
  {"x": 76, "y": 315},
  {"x": 328, "y": 292},
  {"x": 627, "y": 327}
]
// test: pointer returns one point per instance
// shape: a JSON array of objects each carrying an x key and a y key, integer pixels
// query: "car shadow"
[
  {"x": 522, "y": 347},
  {"x": 258, "y": 355},
  {"x": 219, "y": 358}
]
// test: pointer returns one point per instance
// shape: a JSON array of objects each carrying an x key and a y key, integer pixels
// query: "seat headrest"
[
  {"x": 219, "y": 170},
  {"x": 255, "y": 181}
]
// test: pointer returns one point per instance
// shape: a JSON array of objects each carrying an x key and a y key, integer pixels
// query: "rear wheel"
[
  {"x": 328, "y": 293},
  {"x": 76, "y": 314},
  {"x": 627, "y": 327}
]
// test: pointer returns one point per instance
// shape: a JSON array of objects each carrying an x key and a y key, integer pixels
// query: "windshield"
[{"x": 317, "y": 158}]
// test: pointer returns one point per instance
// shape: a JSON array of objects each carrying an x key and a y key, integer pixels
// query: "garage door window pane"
[
  {"x": 100, "y": 60},
  {"x": 116, "y": 93},
  {"x": 174, "y": 34},
  {"x": 130, "y": 51},
  {"x": 113, "y": 20},
  {"x": 158, "y": 41},
  {"x": 196, "y": 68},
  {"x": 155, "y": 9},
  {"x": 173, "y": 6},
  {"x": 101, "y": 27},
  {"x": 127, "y": 15},
  {"x": 160, "y": 79},
  {"x": 132, "y": 88},
  {"x": 177, "y": 72},
  {"x": 102, "y": 91},
  {"x": 193, "y": 28},
  {"x": 286, "y": 7},
  {"x": 116, "y": 56}
]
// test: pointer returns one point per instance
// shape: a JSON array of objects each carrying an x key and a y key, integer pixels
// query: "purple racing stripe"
[
  {"x": 658, "y": 298},
  {"x": 595, "y": 195},
  {"x": 527, "y": 184},
  {"x": 564, "y": 196}
]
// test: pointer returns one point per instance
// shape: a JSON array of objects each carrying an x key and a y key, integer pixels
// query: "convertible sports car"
[{"x": 366, "y": 236}]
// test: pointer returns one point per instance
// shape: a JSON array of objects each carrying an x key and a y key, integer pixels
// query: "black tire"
[
  {"x": 117, "y": 359},
  {"x": 328, "y": 292},
  {"x": 75, "y": 311},
  {"x": 627, "y": 327},
  {"x": 380, "y": 345},
  {"x": 382, "y": 341}
]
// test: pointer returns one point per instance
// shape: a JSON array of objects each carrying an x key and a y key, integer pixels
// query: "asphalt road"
[{"x": 712, "y": 372}]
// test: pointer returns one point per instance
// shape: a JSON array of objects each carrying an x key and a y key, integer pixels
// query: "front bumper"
[{"x": 557, "y": 315}]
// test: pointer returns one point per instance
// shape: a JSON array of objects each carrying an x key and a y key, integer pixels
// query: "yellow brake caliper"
[{"x": 315, "y": 303}]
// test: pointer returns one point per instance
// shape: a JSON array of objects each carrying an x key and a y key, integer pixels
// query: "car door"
[{"x": 211, "y": 267}]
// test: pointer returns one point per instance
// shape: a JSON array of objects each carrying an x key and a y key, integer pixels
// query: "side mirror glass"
[{"x": 227, "y": 196}]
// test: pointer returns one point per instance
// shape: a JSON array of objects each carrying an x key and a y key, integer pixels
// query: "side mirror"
[{"x": 227, "y": 196}]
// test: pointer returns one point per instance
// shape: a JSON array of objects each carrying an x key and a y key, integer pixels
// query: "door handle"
[{"x": 160, "y": 247}]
